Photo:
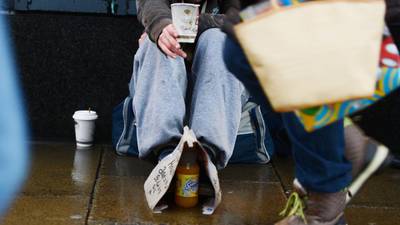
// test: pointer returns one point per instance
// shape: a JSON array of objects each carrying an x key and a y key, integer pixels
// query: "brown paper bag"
[{"x": 160, "y": 178}]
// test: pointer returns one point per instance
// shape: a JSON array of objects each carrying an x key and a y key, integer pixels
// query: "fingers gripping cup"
[
  {"x": 84, "y": 127},
  {"x": 185, "y": 19}
]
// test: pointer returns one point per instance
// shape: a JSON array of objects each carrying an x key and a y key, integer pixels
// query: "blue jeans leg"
[
  {"x": 319, "y": 156},
  {"x": 218, "y": 98},
  {"x": 158, "y": 89}
]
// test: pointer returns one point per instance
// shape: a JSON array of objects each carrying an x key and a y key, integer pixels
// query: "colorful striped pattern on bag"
[
  {"x": 388, "y": 80},
  {"x": 291, "y": 2}
]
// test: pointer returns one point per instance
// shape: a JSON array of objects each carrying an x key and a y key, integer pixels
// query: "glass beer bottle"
[{"x": 187, "y": 179}]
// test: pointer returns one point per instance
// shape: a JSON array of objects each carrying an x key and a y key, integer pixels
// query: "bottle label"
[{"x": 187, "y": 185}]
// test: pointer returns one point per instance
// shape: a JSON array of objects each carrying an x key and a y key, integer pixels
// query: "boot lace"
[{"x": 294, "y": 206}]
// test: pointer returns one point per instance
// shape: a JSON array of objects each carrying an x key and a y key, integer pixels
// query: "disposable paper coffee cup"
[
  {"x": 84, "y": 127},
  {"x": 185, "y": 20}
]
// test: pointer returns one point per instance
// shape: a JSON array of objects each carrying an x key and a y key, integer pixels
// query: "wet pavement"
[{"x": 68, "y": 186}]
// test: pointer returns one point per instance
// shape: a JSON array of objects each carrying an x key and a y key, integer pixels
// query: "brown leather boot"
[{"x": 313, "y": 208}]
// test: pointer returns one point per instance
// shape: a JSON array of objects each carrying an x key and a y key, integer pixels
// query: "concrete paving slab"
[
  {"x": 59, "y": 191},
  {"x": 115, "y": 165},
  {"x": 381, "y": 190},
  {"x": 44, "y": 210},
  {"x": 372, "y": 216},
  {"x": 120, "y": 200},
  {"x": 249, "y": 173},
  {"x": 59, "y": 187},
  {"x": 60, "y": 169}
]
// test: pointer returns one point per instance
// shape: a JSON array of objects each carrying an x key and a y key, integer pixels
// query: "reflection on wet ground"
[{"x": 95, "y": 186}]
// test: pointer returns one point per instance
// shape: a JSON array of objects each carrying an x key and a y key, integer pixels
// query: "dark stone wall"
[{"x": 70, "y": 62}]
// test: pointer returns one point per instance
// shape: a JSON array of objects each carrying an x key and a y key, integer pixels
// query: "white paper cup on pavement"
[
  {"x": 185, "y": 20},
  {"x": 84, "y": 127}
]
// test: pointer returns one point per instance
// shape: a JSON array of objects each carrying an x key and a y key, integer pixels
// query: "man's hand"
[{"x": 168, "y": 42}]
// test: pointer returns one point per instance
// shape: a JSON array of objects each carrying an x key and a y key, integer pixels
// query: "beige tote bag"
[{"x": 315, "y": 53}]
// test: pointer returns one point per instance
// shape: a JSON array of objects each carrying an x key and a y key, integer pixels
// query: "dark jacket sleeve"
[
  {"x": 228, "y": 7},
  {"x": 154, "y": 16},
  {"x": 231, "y": 6},
  {"x": 232, "y": 19}
]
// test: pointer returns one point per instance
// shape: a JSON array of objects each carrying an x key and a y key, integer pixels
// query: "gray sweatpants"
[{"x": 158, "y": 88}]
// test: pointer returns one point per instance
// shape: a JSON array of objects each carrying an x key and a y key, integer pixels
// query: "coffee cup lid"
[
  {"x": 185, "y": 4},
  {"x": 85, "y": 115}
]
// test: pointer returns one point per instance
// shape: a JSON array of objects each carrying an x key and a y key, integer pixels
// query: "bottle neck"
[{"x": 189, "y": 156}]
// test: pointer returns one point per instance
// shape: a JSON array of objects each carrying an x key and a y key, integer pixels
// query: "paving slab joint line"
[
  {"x": 285, "y": 191},
  {"x": 356, "y": 206},
  {"x": 92, "y": 193},
  {"x": 251, "y": 181}
]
